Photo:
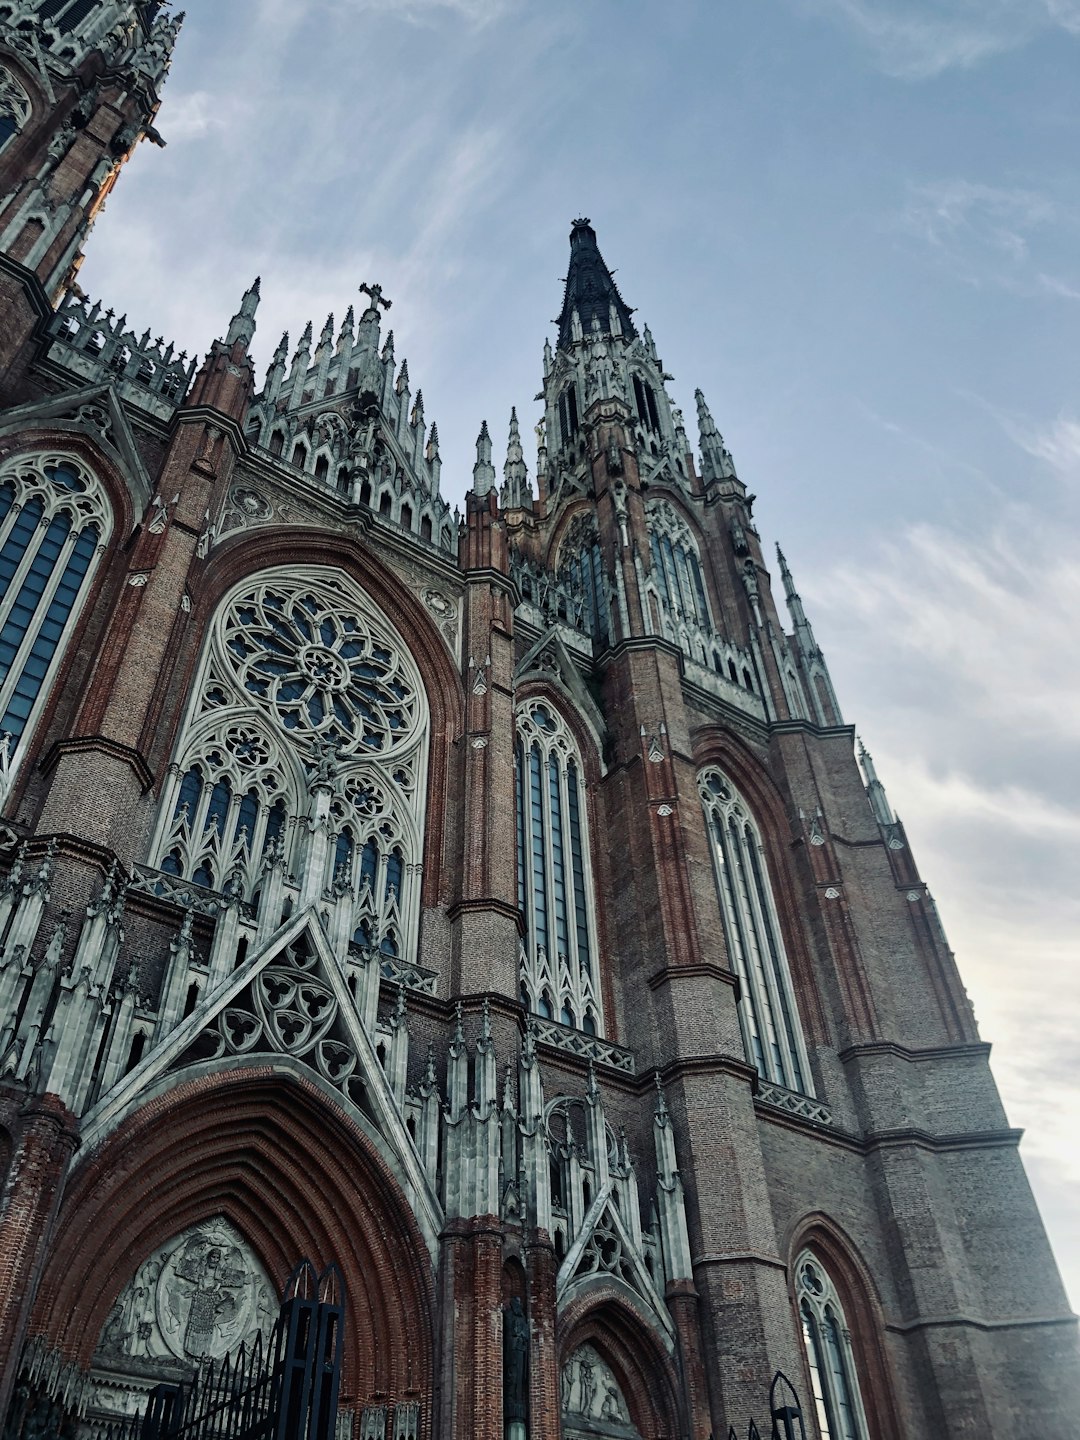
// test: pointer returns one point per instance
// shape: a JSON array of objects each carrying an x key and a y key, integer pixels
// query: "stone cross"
[{"x": 375, "y": 291}]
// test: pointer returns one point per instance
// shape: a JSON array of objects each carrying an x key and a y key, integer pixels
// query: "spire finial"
[
  {"x": 591, "y": 293},
  {"x": 375, "y": 294},
  {"x": 717, "y": 463},
  {"x": 516, "y": 492},
  {"x": 242, "y": 328},
  {"x": 483, "y": 470}
]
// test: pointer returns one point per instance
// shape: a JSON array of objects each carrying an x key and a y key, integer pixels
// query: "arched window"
[
  {"x": 14, "y": 107},
  {"x": 767, "y": 1013},
  {"x": 558, "y": 967},
  {"x": 645, "y": 402},
  {"x": 305, "y": 691},
  {"x": 833, "y": 1377},
  {"x": 676, "y": 566},
  {"x": 581, "y": 571},
  {"x": 568, "y": 413},
  {"x": 54, "y": 522}
]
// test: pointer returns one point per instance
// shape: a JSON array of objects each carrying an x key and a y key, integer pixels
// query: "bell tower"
[{"x": 79, "y": 88}]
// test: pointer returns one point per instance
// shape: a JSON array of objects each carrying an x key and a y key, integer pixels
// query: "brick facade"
[{"x": 644, "y": 1191}]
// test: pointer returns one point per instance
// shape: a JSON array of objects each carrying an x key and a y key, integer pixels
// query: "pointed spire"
[
  {"x": 483, "y": 470},
  {"x": 804, "y": 635},
  {"x": 875, "y": 790},
  {"x": 516, "y": 491},
  {"x": 242, "y": 328},
  {"x": 591, "y": 293},
  {"x": 716, "y": 461},
  {"x": 326, "y": 339}
]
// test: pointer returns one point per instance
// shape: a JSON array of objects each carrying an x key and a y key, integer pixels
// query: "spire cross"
[{"x": 375, "y": 291}]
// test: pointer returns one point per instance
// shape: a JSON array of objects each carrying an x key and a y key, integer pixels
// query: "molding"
[
  {"x": 978, "y": 1049},
  {"x": 81, "y": 744},
  {"x": 29, "y": 282},
  {"x": 1019, "y": 1322},
  {"x": 807, "y": 727},
  {"x": 697, "y": 970},
  {"x": 483, "y": 905},
  {"x": 487, "y": 574},
  {"x": 195, "y": 414},
  {"x": 738, "y": 1257}
]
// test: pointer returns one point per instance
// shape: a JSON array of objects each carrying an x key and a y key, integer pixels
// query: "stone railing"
[
  {"x": 98, "y": 345},
  {"x": 792, "y": 1103}
]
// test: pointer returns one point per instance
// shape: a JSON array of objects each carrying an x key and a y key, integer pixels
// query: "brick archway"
[
  {"x": 293, "y": 1175},
  {"x": 626, "y": 1341}
]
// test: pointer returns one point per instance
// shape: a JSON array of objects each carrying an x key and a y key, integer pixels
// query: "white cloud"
[
  {"x": 990, "y": 234},
  {"x": 916, "y": 40},
  {"x": 960, "y": 656}
]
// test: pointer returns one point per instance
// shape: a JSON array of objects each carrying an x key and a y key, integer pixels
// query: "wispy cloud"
[
  {"x": 991, "y": 234},
  {"x": 974, "y": 721},
  {"x": 916, "y": 40}
]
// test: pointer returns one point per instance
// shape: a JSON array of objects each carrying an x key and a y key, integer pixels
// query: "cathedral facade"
[{"x": 490, "y": 904}]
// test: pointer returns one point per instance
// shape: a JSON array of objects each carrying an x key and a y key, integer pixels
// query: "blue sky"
[{"x": 854, "y": 223}]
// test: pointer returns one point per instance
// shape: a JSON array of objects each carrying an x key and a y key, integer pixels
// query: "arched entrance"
[
  {"x": 617, "y": 1374},
  {"x": 177, "y": 1229}
]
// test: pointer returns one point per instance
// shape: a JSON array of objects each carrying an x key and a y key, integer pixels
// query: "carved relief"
[
  {"x": 195, "y": 1299},
  {"x": 591, "y": 1397}
]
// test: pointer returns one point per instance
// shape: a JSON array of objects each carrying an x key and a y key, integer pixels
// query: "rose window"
[{"x": 320, "y": 670}]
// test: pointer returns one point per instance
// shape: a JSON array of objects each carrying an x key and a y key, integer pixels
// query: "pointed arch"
[
  {"x": 15, "y": 107},
  {"x": 748, "y": 772},
  {"x": 640, "y": 1358},
  {"x": 293, "y": 1175},
  {"x": 245, "y": 554},
  {"x": 820, "y": 1236},
  {"x": 56, "y": 522},
  {"x": 560, "y": 961},
  {"x": 303, "y": 684}
]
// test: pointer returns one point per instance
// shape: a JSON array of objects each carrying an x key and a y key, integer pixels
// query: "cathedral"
[{"x": 492, "y": 906}]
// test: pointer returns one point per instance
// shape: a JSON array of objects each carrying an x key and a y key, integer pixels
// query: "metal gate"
[
  {"x": 283, "y": 1389},
  {"x": 785, "y": 1410}
]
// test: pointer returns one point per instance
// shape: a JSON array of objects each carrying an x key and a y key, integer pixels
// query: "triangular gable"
[
  {"x": 288, "y": 998},
  {"x": 549, "y": 659},
  {"x": 95, "y": 411},
  {"x": 591, "y": 1255}
]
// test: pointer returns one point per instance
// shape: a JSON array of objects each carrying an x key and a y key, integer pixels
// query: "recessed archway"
[{"x": 294, "y": 1177}]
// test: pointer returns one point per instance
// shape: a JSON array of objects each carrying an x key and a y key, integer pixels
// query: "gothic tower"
[{"x": 489, "y": 904}]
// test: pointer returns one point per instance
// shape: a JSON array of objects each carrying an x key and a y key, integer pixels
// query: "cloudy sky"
[{"x": 854, "y": 223}]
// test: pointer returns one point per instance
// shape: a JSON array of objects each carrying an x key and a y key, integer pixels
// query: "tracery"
[
  {"x": 55, "y": 519},
  {"x": 768, "y": 1015},
  {"x": 558, "y": 970},
  {"x": 834, "y": 1380},
  {"x": 15, "y": 108},
  {"x": 304, "y": 689}
]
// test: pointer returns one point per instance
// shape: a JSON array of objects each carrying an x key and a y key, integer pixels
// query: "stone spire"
[
  {"x": 591, "y": 293},
  {"x": 242, "y": 328},
  {"x": 803, "y": 633},
  {"x": 716, "y": 461},
  {"x": 516, "y": 490},
  {"x": 875, "y": 790},
  {"x": 483, "y": 470}
]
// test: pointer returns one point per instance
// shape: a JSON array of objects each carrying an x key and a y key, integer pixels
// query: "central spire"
[{"x": 590, "y": 290}]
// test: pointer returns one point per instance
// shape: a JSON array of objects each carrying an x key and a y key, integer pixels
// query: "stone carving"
[
  {"x": 591, "y": 1394},
  {"x": 195, "y": 1299}
]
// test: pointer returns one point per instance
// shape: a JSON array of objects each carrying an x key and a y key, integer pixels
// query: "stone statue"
[{"x": 515, "y": 1361}]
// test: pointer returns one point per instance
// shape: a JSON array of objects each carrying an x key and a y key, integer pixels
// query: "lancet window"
[
  {"x": 677, "y": 572},
  {"x": 834, "y": 1380},
  {"x": 14, "y": 108},
  {"x": 55, "y": 520},
  {"x": 558, "y": 967},
  {"x": 306, "y": 744},
  {"x": 767, "y": 1013},
  {"x": 581, "y": 571}
]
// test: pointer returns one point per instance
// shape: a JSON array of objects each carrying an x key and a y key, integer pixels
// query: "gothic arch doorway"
[
  {"x": 617, "y": 1376},
  {"x": 171, "y": 1233}
]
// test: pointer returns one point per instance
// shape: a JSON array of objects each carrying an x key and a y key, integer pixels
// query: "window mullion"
[
  {"x": 755, "y": 960},
  {"x": 41, "y": 609},
  {"x": 779, "y": 1003}
]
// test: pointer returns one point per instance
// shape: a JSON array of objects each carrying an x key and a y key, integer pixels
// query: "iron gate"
[{"x": 285, "y": 1388}]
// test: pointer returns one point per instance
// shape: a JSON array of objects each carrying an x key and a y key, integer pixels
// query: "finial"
[
  {"x": 242, "y": 327},
  {"x": 483, "y": 470},
  {"x": 375, "y": 294},
  {"x": 661, "y": 1103}
]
